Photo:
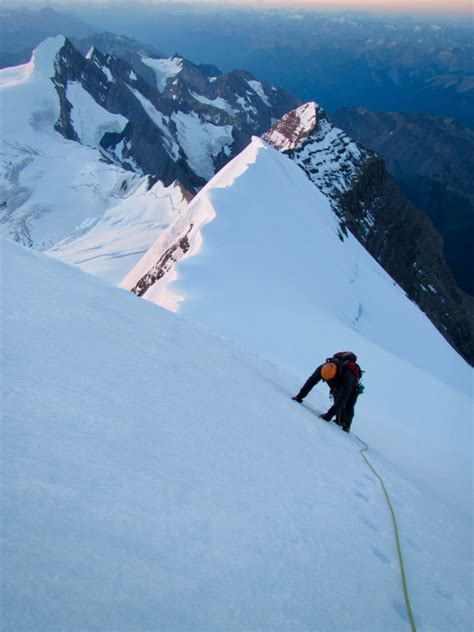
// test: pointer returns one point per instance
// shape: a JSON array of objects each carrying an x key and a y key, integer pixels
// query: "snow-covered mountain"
[
  {"x": 157, "y": 477},
  {"x": 370, "y": 203},
  {"x": 61, "y": 196},
  {"x": 183, "y": 121},
  {"x": 98, "y": 154}
]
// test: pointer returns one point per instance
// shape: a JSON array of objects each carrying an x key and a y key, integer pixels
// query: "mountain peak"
[
  {"x": 45, "y": 53},
  {"x": 288, "y": 132}
]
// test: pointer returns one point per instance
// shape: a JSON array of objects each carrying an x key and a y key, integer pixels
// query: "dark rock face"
[
  {"x": 184, "y": 122},
  {"x": 163, "y": 265},
  {"x": 371, "y": 205},
  {"x": 402, "y": 238},
  {"x": 432, "y": 159}
]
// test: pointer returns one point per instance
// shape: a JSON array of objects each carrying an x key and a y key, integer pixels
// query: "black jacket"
[{"x": 341, "y": 387}]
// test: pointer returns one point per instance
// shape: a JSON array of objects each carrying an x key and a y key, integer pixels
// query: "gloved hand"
[{"x": 326, "y": 417}]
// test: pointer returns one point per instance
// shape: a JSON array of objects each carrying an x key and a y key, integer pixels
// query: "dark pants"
[{"x": 346, "y": 415}]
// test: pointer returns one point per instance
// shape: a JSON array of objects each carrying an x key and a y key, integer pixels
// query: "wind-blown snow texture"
[{"x": 156, "y": 477}]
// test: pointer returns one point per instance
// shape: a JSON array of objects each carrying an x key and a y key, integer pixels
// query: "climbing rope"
[{"x": 397, "y": 539}]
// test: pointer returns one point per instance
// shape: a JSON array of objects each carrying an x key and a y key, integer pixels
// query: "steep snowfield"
[
  {"x": 201, "y": 141},
  {"x": 266, "y": 267},
  {"x": 53, "y": 189},
  {"x": 157, "y": 477},
  {"x": 164, "y": 69}
]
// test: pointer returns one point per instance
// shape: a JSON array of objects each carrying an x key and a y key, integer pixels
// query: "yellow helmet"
[{"x": 329, "y": 371}]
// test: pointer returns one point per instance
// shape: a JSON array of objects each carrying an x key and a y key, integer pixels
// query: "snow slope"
[
  {"x": 109, "y": 245},
  {"x": 160, "y": 478},
  {"x": 265, "y": 266},
  {"x": 60, "y": 195},
  {"x": 164, "y": 69}
]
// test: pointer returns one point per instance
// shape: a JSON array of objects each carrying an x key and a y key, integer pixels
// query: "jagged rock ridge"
[{"x": 184, "y": 121}]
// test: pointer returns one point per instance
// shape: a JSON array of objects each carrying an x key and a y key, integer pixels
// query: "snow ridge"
[
  {"x": 156, "y": 271},
  {"x": 218, "y": 267}
]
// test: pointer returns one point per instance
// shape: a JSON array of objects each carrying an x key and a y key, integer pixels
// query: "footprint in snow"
[
  {"x": 386, "y": 559},
  {"x": 369, "y": 478},
  {"x": 370, "y": 524},
  {"x": 442, "y": 590},
  {"x": 412, "y": 544},
  {"x": 359, "y": 494},
  {"x": 401, "y": 610}
]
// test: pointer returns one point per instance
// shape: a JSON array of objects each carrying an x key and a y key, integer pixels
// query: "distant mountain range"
[
  {"x": 384, "y": 63},
  {"x": 22, "y": 29}
]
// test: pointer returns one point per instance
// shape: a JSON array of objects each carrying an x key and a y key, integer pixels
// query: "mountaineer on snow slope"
[{"x": 342, "y": 374}]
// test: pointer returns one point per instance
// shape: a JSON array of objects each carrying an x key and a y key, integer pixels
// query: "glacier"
[{"x": 59, "y": 195}]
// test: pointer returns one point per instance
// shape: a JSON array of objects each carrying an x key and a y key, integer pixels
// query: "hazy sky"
[
  {"x": 450, "y": 6},
  {"x": 396, "y": 6}
]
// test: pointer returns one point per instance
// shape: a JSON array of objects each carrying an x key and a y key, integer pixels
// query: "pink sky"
[{"x": 403, "y": 6}]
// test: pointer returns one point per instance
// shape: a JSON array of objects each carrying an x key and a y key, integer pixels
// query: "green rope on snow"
[{"x": 397, "y": 538}]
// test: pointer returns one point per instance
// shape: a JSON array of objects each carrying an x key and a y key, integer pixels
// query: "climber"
[{"x": 342, "y": 374}]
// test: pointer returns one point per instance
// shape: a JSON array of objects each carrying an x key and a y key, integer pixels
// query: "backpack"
[{"x": 349, "y": 360}]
